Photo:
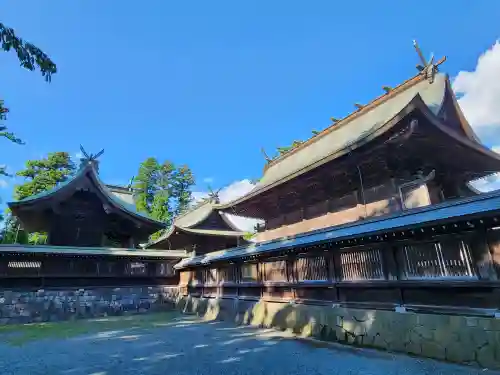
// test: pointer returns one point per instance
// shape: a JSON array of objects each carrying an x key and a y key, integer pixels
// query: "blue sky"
[{"x": 210, "y": 83}]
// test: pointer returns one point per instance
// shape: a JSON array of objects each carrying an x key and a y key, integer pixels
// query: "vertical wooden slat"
[{"x": 446, "y": 259}]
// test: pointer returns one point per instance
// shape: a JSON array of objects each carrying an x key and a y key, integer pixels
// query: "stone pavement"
[{"x": 190, "y": 346}]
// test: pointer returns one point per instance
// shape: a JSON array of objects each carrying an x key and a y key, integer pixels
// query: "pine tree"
[{"x": 44, "y": 174}]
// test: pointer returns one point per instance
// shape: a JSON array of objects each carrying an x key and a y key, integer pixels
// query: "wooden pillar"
[
  {"x": 291, "y": 269},
  {"x": 389, "y": 262},
  {"x": 131, "y": 242},
  {"x": 336, "y": 275},
  {"x": 485, "y": 251}
]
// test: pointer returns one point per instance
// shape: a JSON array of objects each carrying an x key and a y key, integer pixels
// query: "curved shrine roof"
[
  {"x": 349, "y": 131},
  {"x": 359, "y": 127},
  {"x": 122, "y": 203},
  {"x": 188, "y": 221}
]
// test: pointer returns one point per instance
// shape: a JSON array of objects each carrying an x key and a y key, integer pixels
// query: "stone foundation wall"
[
  {"x": 29, "y": 306},
  {"x": 460, "y": 339}
]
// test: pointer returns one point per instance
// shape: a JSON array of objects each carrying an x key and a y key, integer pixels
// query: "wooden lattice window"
[
  {"x": 275, "y": 270},
  {"x": 23, "y": 268},
  {"x": 210, "y": 276},
  {"x": 414, "y": 194},
  {"x": 249, "y": 272},
  {"x": 137, "y": 268},
  {"x": 450, "y": 259},
  {"x": 165, "y": 269},
  {"x": 227, "y": 274},
  {"x": 361, "y": 265},
  {"x": 312, "y": 268}
]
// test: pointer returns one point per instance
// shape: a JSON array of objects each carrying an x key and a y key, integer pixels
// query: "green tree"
[
  {"x": 162, "y": 190},
  {"x": 183, "y": 181},
  {"x": 30, "y": 57},
  {"x": 44, "y": 174},
  {"x": 145, "y": 184},
  {"x": 248, "y": 236},
  {"x": 12, "y": 231},
  {"x": 5, "y": 134},
  {"x": 40, "y": 175}
]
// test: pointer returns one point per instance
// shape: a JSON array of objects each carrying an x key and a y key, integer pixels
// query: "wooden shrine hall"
[
  {"x": 93, "y": 232},
  {"x": 201, "y": 230},
  {"x": 376, "y": 210}
]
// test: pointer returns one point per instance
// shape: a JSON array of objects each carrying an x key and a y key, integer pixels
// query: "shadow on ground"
[{"x": 188, "y": 345}]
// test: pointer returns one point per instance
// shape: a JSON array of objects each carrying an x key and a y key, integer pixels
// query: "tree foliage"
[
  {"x": 41, "y": 175},
  {"x": 30, "y": 57},
  {"x": 248, "y": 236},
  {"x": 6, "y": 134},
  {"x": 44, "y": 174},
  {"x": 162, "y": 190},
  {"x": 12, "y": 232}
]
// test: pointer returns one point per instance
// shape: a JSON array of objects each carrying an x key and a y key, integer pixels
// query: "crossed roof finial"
[
  {"x": 427, "y": 67},
  {"x": 89, "y": 158}
]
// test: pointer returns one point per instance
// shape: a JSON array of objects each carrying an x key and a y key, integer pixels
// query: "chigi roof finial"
[
  {"x": 268, "y": 159},
  {"x": 427, "y": 67},
  {"x": 90, "y": 158}
]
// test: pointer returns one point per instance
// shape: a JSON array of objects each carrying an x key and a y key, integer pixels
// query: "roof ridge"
[
  {"x": 346, "y": 120},
  {"x": 194, "y": 208}
]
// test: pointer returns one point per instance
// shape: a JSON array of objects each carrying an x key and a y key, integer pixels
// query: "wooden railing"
[{"x": 453, "y": 271}]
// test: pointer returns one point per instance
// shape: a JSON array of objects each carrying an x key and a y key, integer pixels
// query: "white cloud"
[
  {"x": 479, "y": 93},
  {"x": 78, "y": 155},
  {"x": 3, "y": 184},
  {"x": 229, "y": 193}
]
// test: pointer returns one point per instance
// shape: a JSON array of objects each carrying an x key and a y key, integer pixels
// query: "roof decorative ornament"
[
  {"x": 266, "y": 156},
  {"x": 428, "y": 67},
  {"x": 285, "y": 149},
  {"x": 90, "y": 158},
  {"x": 130, "y": 183},
  {"x": 213, "y": 196}
]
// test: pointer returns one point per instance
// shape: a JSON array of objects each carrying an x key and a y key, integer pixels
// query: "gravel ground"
[{"x": 189, "y": 346}]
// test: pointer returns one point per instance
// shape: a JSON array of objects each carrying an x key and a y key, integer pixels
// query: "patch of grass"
[{"x": 18, "y": 334}]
